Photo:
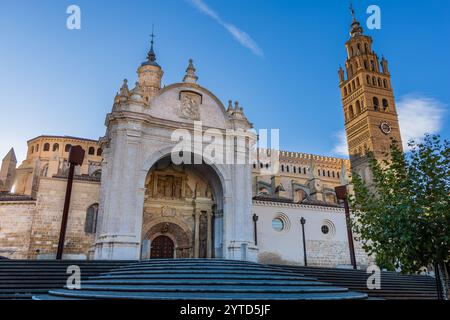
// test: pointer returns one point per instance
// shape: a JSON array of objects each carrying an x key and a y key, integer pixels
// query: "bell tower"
[{"x": 371, "y": 120}]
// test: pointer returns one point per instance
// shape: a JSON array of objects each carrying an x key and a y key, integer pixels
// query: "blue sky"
[{"x": 278, "y": 58}]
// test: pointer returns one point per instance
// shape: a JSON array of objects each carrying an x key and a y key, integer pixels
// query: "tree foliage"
[{"x": 403, "y": 216}]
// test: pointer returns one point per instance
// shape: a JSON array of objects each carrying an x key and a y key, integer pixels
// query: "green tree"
[{"x": 403, "y": 215}]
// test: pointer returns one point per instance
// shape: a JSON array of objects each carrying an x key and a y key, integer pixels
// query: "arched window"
[
  {"x": 254, "y": 166},
  {"x": 358, "y": 107},
  {"x": 385, "y": 104},
  {"x": 350, "y": 110},
  {"x": 368, "y": 79},
  {"x": 37, "y": 148},
  {"x": 282, "y": 167},
  {"x": 376, "y": 104},
  {"x": 91, "y": 151},
  {"x": 99, "y": 152},
  {"x": 44, "y": 172},
  {"x": 90, "y": 224},
  {"x": 318, "y": 172},
  {"x": 353, "y": 85},
  {"x": 374, "y": 81},
  {"x": 304, "y": 170},
  {"x": 55, "y": 147},
  {"x": 357, "y": 82},
  {"x": 67, "y": 148},
  {"x": 345, "y": 91},
  {"x": 295, "y": 169},
  {"x": 366, "y": 65},
  {"x": 267, "y": 166},
  {"x": 47, "y": 147},
  {"x": 385, "y": 83},
  {"x": 379, "y": 82},
  {"x": 372, "y": 65},
  {"x": 32, "y": 149},
  {"x": 323, "y": 171},
  {"x": 328, "y": 173},
  {"x": 287, "y": 168},
  {"x": 338, "y": 174},
  {"x": 333, "y": 175}
]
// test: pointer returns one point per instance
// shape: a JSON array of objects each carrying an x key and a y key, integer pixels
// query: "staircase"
[
  {"x": 394, "y": 286},
  {"x": 21, "y": 279},
  {"x": 202, "y": 279}
]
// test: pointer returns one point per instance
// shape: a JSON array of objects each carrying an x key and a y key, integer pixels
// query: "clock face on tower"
[{"x": 385, "y": 128}]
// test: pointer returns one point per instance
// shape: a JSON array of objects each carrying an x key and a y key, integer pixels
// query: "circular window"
[
  {"x": 328, "y": 229},
  {"x": 278, "y": 224}
]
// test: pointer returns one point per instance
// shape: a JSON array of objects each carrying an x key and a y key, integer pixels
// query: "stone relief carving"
[
  {"x": 168, "y": 212},
  {"x": 169, "y": 187},
  {"x": 190, "y": 105}
]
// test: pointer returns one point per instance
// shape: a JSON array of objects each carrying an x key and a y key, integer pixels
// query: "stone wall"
[
  {"x": 16, "y": 218},
  {"x": 286, "y": 246},
  {"x": 47, "y": 220}
]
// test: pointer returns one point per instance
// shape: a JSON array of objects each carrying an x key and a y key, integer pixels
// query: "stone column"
[
  {"x": 209, "y": 215},
  {"x": 197, "y": 234}
]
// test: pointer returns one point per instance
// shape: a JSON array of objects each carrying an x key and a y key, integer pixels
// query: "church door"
[{"x": 162, "y": 248}]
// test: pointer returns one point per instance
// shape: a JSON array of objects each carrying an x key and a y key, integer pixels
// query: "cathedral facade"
[{"x": 131, "y": 201}]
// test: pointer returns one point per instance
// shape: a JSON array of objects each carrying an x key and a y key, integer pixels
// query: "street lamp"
[
  {"x": 303, "y": 221},
  {"x": 255, "y": 228},
  {"x": 341, "y": 194}
]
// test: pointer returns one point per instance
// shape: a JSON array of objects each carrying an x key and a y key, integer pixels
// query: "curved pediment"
[{"x": 189, "y": 102}]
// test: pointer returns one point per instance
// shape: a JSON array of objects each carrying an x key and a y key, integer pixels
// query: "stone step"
[
  {"x": 205, "y": 295},
  {"x": 393, "y": 285},
  {"x": 214, "y": 271},
  {"x": 203, "y": 276},
  {"x": 172, "y": 282},
  {"x": 215, "y": 288}
]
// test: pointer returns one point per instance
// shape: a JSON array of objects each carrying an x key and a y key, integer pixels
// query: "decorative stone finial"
[
  {"x": 190, "y": 76},
  {"x": 124, "y": 91},
  {"x": 230, "y": 106}
]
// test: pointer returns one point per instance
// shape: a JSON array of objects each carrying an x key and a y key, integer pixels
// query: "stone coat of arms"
[{"x": 190, "y": 106}]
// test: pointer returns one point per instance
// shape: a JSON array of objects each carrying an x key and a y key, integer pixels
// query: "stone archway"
[
  {"x": 182, "y": 242},
  {"x": 181, "y": 202}
]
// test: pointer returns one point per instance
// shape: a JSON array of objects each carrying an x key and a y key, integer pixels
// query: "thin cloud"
[
  {"x": 340, "y": 148},
  {"x": 240, "y": 36},
  {"x": 418, "y": 115}
]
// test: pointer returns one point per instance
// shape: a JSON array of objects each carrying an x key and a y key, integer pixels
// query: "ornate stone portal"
[
  {"x": 205, "y": 210},
  {"x": 178, "y": 204}
]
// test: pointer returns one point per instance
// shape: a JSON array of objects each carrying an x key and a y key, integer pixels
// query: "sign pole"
[{"x": 76, "y": 157}]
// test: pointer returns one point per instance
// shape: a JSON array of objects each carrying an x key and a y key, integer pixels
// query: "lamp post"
[
  {"x": 76, "y": 157},
  {"x": 341, "y": 194},
  {"x": 255, "y": 228},
  {"x": 303, "y": 221}
]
